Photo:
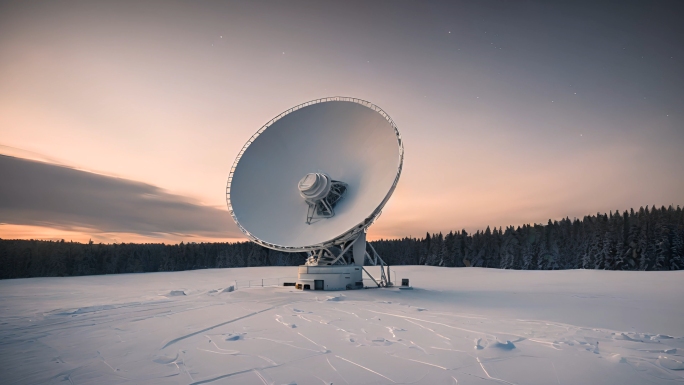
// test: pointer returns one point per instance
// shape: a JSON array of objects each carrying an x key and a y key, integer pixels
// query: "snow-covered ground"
[{"x": 458, "y": 326}]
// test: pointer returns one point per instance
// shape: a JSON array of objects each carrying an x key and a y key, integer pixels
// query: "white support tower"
[
  {"x": 336, "y": 268},
  {"x": 313, "y": 179}
]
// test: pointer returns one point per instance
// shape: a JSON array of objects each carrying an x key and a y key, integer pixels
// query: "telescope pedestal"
[
  {"x": 333, "y": 277},
  {"x": 341, "y": 268}
]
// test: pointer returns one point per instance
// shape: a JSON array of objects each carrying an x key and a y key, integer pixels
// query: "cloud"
[{"x": 43, "y": 194}]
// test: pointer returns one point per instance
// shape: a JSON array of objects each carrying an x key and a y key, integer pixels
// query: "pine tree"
[
  {"x": 457, "y": 254},
  {"x": 644, "y": 249},
  {"x": 448, "y": 251},
  {"x": 596, "y": 247},
  {"x": 677, "y": 261},
  {"x": 663, "y": 250},
  {"x": 486, "y": 248},
  {"x": 609, "y": 246},
  {"x": 443, "y": 254},
  {"x": 586, "y": 244},
  {"x": 508, "y": 249},
  {"x": 528, "y": 248},
  {"x": 543, "y": 255},
  {"x": 434, "y": 250}
]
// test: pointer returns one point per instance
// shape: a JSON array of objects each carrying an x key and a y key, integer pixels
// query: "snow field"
[{"x": 458, "y": 326}]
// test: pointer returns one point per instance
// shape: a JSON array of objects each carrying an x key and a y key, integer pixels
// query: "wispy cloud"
[{"x": 34, "y": 193}]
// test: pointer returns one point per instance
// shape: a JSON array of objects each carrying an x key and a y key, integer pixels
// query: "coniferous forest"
[{"x": 647, "y": 239}]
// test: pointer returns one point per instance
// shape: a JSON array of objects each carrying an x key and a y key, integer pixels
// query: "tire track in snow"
[
  {"x": 285, "y": 343},
  {"x": 336, "y": 371},
  {"x": 451, "y": 350},
  {"x": 422, "y": 362},
  {"x": 363, "y": 367},
  {"x": 214, "y": 327},
  {"x": 209, "y": 380},
  {"x": 261, "y": 377},
  {"x": 490, "y": 377},
  {"x": 226, "y": 376},
  {"x": 551, "y": 344},
  {"x": 433, "y": 322},
  {"x": 427, "y": 328},
  {"x": 416, "y": 346},
  {"x": 313, "y": 342},
  {"x": 354, "y": 314},
  {"x": 211, "y": 351},
  {"x": 270, "y": 361}
]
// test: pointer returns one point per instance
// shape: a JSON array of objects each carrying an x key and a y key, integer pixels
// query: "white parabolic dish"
[{"x": 351, "y": 140}]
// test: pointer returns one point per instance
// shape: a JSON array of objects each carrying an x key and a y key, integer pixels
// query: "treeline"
[
  {"x": 648, "y": 239},
  {"x": 22, "y": 258}
]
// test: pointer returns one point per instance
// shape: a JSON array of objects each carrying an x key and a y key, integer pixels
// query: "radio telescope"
[{"x": 313, "y": 179}]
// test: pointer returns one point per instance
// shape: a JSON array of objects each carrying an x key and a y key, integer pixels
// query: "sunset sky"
[{"x": 119, "y": 121}]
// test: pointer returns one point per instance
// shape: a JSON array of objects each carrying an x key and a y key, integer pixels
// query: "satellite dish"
[{"x": 315, "y": 177}]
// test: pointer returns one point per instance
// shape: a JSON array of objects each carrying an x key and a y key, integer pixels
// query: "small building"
[{"x": 332, "y": 277}]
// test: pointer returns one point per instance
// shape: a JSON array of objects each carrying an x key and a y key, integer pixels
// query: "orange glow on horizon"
[{"x": 83, "y": 235}]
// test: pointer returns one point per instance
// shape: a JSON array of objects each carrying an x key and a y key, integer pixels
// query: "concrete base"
[{"x": 334, "y": 277}]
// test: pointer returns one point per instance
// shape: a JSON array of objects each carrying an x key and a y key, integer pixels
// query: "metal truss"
[
  {"x": 331, "y": 255},
  {"x": 376, "y": 260},
  {"x": 326, "y": 257},
  {"x": 325, "y": 208}
]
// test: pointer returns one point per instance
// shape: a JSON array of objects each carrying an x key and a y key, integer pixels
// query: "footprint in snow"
[
  {"x": 508, "y": 345},
  {"x": 235, "y": 336},
  {"x": 381, "y": 341},
  {"x": 165, "y": 359}
]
